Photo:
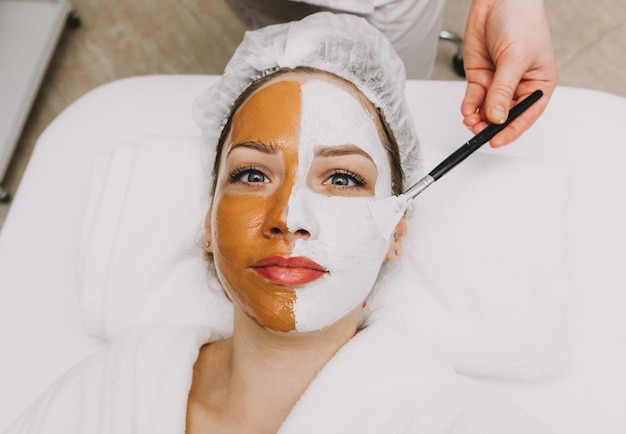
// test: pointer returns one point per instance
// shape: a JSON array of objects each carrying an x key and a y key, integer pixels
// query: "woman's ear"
[
  {"x": 207, "y": 242},
  {"x": 395, "y": 249}
]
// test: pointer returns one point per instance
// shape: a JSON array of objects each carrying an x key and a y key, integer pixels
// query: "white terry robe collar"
[
  {"x": 377, "y": 382},
  {"x": 374, "y": 383}
]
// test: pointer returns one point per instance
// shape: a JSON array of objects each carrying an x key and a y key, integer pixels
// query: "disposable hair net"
[{"x": 345, "y": 45}]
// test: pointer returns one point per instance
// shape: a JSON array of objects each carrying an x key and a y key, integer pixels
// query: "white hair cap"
[{"x": 345, "y": 45}]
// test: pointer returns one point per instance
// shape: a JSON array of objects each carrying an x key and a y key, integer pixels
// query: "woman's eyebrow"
[
  {"x": 335, "y": 151},
  {"x": 257, "y": 146}
]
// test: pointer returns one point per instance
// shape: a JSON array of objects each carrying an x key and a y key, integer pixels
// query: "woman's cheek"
[
  {"x": 239, "y": 243},
  {"x": 238, "y": 221}
]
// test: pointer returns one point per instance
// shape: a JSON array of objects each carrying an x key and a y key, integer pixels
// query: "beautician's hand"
[{"x": 507, "y": 55}]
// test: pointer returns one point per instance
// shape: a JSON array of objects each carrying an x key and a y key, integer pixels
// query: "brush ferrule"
[{"x": 418, "y": 187}]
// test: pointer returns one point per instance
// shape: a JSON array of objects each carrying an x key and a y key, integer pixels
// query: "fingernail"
[{"x": 498, "y": 114}]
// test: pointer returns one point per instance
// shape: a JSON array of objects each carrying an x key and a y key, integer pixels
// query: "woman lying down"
[{"x": 307, "y": 126}]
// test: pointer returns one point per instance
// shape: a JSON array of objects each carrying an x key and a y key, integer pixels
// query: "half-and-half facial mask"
[{"x": 295, "y": 244}]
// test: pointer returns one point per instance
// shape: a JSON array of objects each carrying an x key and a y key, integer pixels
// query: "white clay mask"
[{"x": 344, "y": 235}]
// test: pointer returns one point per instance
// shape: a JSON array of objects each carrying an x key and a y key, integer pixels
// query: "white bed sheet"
[{"x": 40, "y": 331}]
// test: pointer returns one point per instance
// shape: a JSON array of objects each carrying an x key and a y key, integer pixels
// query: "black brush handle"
[{"x": 483, "y": 137}]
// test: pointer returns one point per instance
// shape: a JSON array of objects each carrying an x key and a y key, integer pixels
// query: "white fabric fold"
[
  {"x": 399, "y": 376},
  {"x": 141, "y": 246},
  {"x": 138, "y": 385}
]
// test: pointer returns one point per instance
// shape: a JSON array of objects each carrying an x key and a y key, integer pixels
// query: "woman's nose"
[
  {"x": 276, "y": 220},
  {"x": 301, "y": 215},
  {"x": 282, "y": 231},
  {"x": 290, "y": 217}
]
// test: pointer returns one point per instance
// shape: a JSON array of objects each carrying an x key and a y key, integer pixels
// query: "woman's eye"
[
  {"x": 254, "y": 176},
  {"x": 248, "y": 176},
  {"x": 345, "y": 179}
]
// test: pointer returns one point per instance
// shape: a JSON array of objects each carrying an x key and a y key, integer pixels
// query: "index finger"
[{"x": 473, "y": 100}]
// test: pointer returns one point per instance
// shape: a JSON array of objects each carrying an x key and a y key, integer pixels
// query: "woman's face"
[{"x": 293, "y": 240}]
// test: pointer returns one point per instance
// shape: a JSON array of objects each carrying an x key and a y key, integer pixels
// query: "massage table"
[{"x": 41, "y": 331}]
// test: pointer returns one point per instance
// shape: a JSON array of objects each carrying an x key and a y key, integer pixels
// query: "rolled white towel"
[
  {"x": 484, "y": 277},
  {"x": 142, "y": 258}
]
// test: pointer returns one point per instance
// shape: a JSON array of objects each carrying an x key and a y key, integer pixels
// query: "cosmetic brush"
[{"x": 387, "y": 212}]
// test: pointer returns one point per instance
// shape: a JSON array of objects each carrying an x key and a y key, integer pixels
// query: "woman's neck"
[
  {"x": 311, "y": 349},
  {"x": 259, "y": 374},
  {"x": 283, "y": 363}
]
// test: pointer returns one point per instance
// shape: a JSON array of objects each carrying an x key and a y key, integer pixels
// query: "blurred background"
[{"x": 123, "y": 38}]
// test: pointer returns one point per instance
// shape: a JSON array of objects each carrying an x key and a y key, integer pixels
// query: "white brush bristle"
[{"x": 387, "y": 213}]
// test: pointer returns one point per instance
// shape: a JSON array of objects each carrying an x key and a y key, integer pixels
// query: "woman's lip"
[{"x": 292, "y": 271}]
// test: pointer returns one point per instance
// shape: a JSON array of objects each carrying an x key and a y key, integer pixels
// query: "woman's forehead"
[
  {"x": 301, "y": 77},
  {"x": 276, "y": 106},
  {"x": 272, "y": 113}
]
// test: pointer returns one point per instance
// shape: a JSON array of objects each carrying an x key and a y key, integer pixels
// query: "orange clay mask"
[{"x": 246, "y": 215}]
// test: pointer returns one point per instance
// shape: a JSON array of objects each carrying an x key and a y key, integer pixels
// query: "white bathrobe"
[{"x": 381, "y": 381}]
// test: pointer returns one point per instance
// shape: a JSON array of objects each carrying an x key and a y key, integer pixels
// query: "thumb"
[{"x": 502, "y": 90}]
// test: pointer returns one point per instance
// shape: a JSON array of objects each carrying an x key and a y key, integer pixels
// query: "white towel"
[
  {"x": 483, "y": 278},
  {"x": 486, "y": 278},
  {"x": 139, "y": 384},
  {"x": 142, "y": 258}
]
